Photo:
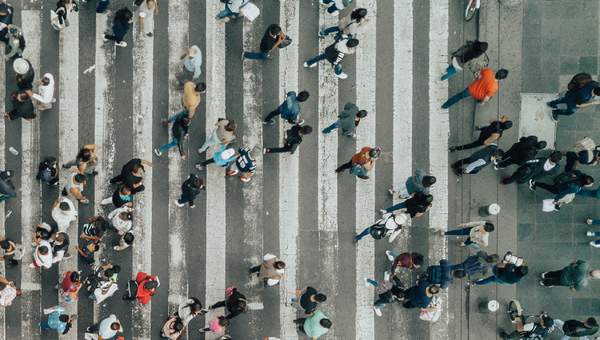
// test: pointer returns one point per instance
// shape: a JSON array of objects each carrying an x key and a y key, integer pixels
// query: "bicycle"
[
  {"x": 515, "y": 314},
  {"x": 471, "y": 8}
]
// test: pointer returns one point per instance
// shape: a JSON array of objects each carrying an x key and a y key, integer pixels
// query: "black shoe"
[
  {"x": 554, "y": 116},
  {"x": 452, "y": 148}
]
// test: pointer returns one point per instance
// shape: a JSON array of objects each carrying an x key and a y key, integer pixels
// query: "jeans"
[
  {"x": 596, "y": 222},
  {"x": 344, "y": 166},
  {"x": 456, "y": 98},
  {"x": 332, "y": 29},
  {"x": 489, "y": 279},
  {"x": 450, "y": 72},
  {"x": 173, "y": 143},
  {"x": 571, "y": 106},
  {"x": 186, "y": 197},
  {"x": 363, "y": 233},
  {"x": 256, "y": 55},
  {"x": 45, "y": 326},
  {"x": 332, "y": 127},
  {"x": 332, "y": 8},
  {"x": 316, "y": 59},
  {"x": 226, "y": 13},
  {"x": 459, "y": 232},
  {"x": 395, "y": 207},
  {"x": 212, "y": 140}
]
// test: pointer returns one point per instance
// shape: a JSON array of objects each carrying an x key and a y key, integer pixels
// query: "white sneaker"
[
  {"x": 382, "y": 211},
  {"x": 386, "y": 275},
  {"x": 199, "y": 167},
  {"x": 590, "y": 234},
  {"x": 157, "y": 152},
  {"x": 391, "y": 191},
  {"x": 178, "y": 204},
  {"x": 121, "y": 44},
  {"x": 342, "y": 75},
  {"x": 367, "y": 282},
  {"x": 543, "y": 275},
  {"x": 104, "y": 38},
  {"x": 389, "y": 255},
  {"x": 594, "y": 244},
  {"x": 377, "y": 311},
  {"x": 588, "y": 221}
]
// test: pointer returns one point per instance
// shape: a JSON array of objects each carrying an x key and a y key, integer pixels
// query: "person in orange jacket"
[{"x": 146, "y": 288}]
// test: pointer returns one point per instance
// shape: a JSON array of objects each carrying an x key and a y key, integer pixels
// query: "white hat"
[
  {"x": 21, "y": 66},
  {"x": 228, "y": 153}
]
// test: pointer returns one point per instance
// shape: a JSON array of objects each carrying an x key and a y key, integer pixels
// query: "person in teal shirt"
[
  {"x": 315, "y": 326},
  {"x": 57, "y": 320}
]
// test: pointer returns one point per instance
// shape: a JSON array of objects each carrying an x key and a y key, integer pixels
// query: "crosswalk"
[{"x": 296, "y": 206}]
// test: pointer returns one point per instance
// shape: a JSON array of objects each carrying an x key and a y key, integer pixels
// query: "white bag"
[
  {"x": 585, "y": 144},
  {"x": 548, "y": 205},
  {"x": 433, "y": 312},
  {"x": 106, "y": 290},
  {"x": 55, "y": 22},
  {"x": 250, "y": 11}
]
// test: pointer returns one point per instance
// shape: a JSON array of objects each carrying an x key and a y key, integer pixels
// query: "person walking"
[
  {"x": 477, "y": 161},
  {"x": 565, "y": 192},
  {"x": 335, "y": 6},
  {"x": 173, "y": 328},
  {"x": 121, "y": 219},
  {"x": 504, "y": 273},
  {"x": 222, "y": 157},
  {"x": 122, "y": 196},
  {"x": 24, "y": 75},
  {"x": 9, "y": 292},
  {"x": 535, "y": 168},
  {"x": 132, "y": 174},
  {"x": 388, "y": 291},
  {"x": 335, "y": 54},
  {"x": 524, "y": 150},
  {"x": 95, "y": 228},
  {"x": 125, "y": 241},
  {"x": 308, "y": 299},
  {"x": 315, "y": 325},
  {"x": 481, "y": 89},
  {"x": 15, "y": 42},
  {"x": 477, "y": 233},
  {"x": 347, "y": 120},
  {"x": 539, "y": 327},
  {"x": 216, "y": 325},
  {"x": 189, "y": 309},
  {"x": 419, "y": 295},
  {"x": 479, "y": 263},
  {"x": 576, "y": 328},
  {"x": 60, "y": 246},
  {"x": 108, "y": 328},
  {"x": 223, "y": 134},
  {"x": 102, "y": 6},
  {"x": 57, "y": 320},
  {"x": 63, "y": 213},
  {"x": 270, "y": 272},
  {"x": 6, "y": 18},
  {"x": 85, "y": 161},
  {"x": 232, "y": 10},
  {"x": 351, "y": 25},
  {"x": 45, "y": 96},
  {"x": 389, "y": 225},
  {"x": 70, "y": 286},
  {"x": 580, "y": 92},
  {"x": 292, "y": 138},
  {"x": 121, "y": 24},
  {"x": 42, "y": 256},
  {"x": 575, "y": 276},
  {"x": 22, "y": 107},
  {"x": 419, "y": 182},
  {"x": 272, "y": 39},
  {"x": 487, "y": 135},
  {"x": 10, "y": 252},
  {"x": 235, "y": 304},
  {"x": 191, "y": 65},
  {"x": 466, "y": 54},
  {"x": 410, "y": 261},
  {"x": 146, "y": 12},
  {"x": 190, "y": 188},
  {"x": 75, "y": 186},
  {"x": 191, "y": 97},
  {"x": 289, "y": 109},
  {"x": 361, "y": 162},
  {"x": 586, "y": 157},
  {"x": 179, "y": 132},
  {"x": 443, "y": 274},
  {"x": 147, "y": 286},
  {"x": 417, "y": 205},
  {"x": 59, "y": 17},
  {"x": 48, "y": 171},
  {"x": 245, "y": 165}
]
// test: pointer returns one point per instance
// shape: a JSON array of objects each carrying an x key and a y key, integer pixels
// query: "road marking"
[
  {"x": 30, "y": 193},
  {"x": 178, "y": 40},
  {"x": 289, "y": 173},
  {"x": 143, "y": 81},
  {"x": 68, "y": 125},
  {"x": 215, "y": 189},
  {"x": 2, "y": 206},
  {"x": 327, "y": 178},
  {"x": 439, "y": 130},
  {"x": 366, "y": 73}
]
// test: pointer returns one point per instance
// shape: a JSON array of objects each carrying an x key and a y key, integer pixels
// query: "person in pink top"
[{"x": 217, "y": 325}]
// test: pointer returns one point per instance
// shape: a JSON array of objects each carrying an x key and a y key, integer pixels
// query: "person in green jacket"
[
  {"x": 575, "y": 276},
  {"x": 314, "y": 326},
  {"x": 348, "y": 120}
]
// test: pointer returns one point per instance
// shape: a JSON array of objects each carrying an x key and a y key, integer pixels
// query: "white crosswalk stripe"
[{"x": 2, "y": 206}]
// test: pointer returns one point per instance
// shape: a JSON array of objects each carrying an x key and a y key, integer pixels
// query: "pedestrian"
[
  {"x": 335, "y": 6},
  {"x": 216, "y": 325},
  {"x": 15, "y": 42},
  {"x": 45, "y": 96},
  {"x": 22, "y": 107},
  {"x": 410, "y": 261},
  {"x": 586, "y": 157},
  {"x": 10, "y": 252},
  {"x": 59, "y": 17},
  {"x": 417, "y": 205},
  {"x": 540, "y": 326},
  {"x": 191, "y": 65},
  {"x": 481, "y": 89},
  {"x": 477, "y": 161},
  {"x": 524, "y": 150},
  {"x": 361, "y": 162},
  {"x": 348, "y": 120},
  {"x": 335, "y": 54},
  {"x": 443, "y": 274},
  {"x": 95, "y": 228},
  {"x": 6, "y": 18},
  {"x": 504, "y": 273},
  {"x": 179, "y": 132},
  {"x": 9, "y": 292},
  {"x": 24, "y": 75},
  {"x": 419, "y": 295},
  {"x": 461, "y": 58},
  {"x": 121, "y": 24},
  {"x": 309, "y": 299},
  {"x": 147, "y": 286},
  {"x": 389, "y": 225},
  {"x": 63, "y": 213},
  {"x": 132, "y": 174},
  {"x": 122, "y": 196},
  {"x": 235, "y": 303},
  {"x": 189, "y": 309},
  {"x": 57, "y": 320},
  {"x": 535, "y": 168},
  {"x": 419, "y": 182},
  {"x": 580, "y": 92},
  {"x": 7, "y": 188},
  {"x": 223, "y": 134},
  {"x": 388, "y": 291},
  {"x": 575, "y": 276},
  {"x": 222, "y": 157},
  {"x": 565, "y": 192},
  {"x": 289, "y": 109},
  {"x": 350, "y": 25},
  {"x": 108, "y": 328},
  {"x": 87, "y": 249},
  {"x": 146, "y": 12},
  {"x": 125, "y": 241},
  {"x": 190, "y": 188},
  {"x": 173, "y": 328},
  {"x": 60, "y": 246},
  {"x": 121, "y": 219},
  {"x": 70, "y": 286},
  {"x": 43, "y": 232},
  {"x": 192, "y": 97},
  {"x": 48, "y": 171},
  {"x": 42, "y": 256},
  {"x": 232, "y": 10},
  {"x": 315, "y": 325},
  {"x": 487, "y": 135},
  {"x": 270, "y": 272},
  {"x": 479, "y": 263},
  {"x": 477, "y": 233},
  {"x": 245, "y": 165},
  {"x": 292, "y": 139},
  {"x": 85, "y": 161},
  {"x": 272, "y": 39},
  {"x": 576, "y": 328}
]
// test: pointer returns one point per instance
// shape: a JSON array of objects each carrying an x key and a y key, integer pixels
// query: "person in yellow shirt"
[{"x": 191, "y": 96}]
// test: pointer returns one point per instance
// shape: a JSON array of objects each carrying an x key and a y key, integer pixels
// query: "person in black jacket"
[
  {"x": 189, "y": 190},
  {"x": 22, "y": 107},
  {"x": 236, "y": 303},
  {"x": 477, "y": 161},
  {"x": 6, "y": 18},
  {"x": 179, "y": 130},
  {"x": 335, "y": 54},
  {"x": 534, "y": 169},
  {"x": 576, "y": 328},
  {"x": 522, "y": 151},
  {"x": 293, "y": 138},
  {"x": 132, "y": 174},
  {"x": 487, "y": 135},
  {"x": 48, "y": 171},
  {"x": 580, "y": 92},
  {"x": 121, "y": 25},
  {"x": 272, "y": 39},
  {"x": 469, "y": 51}
]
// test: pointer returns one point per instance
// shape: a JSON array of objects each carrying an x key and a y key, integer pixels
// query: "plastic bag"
[{"x": 433, "y": 312}]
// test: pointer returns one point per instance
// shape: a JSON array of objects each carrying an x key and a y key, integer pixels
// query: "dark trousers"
[
  {"x": 255, "y": 269},
  {"x": 285, "y": 148},
  {"x": 219, "y": 304},
  {"x": 548, "y": 187},
  {"x": 572, "y": 159},
  {"x": 460, "y": 163},
  {"x": 186, "y": 197},
  {"x": 113, "y": 37},
  {"x": 471, "y": 145},
  {"x": 345, "y": 166},
  {"x": 207, "y": 162},
  {"x": 552, "y": 278},
  {"x": 507, "y": 161},
  {"x": 276, "y": 113}
]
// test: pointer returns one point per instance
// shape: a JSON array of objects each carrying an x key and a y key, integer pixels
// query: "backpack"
[
  {"x": 377, "y": 231},
  {"x": 578, "y": 81},
  {"x": 132, "y": 288}
]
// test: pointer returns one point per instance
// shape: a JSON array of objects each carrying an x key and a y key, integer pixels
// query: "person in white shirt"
[
  {"x": 477, "y": 233},
  {"x": 8, "y": 293},
  {"x": 121, "y": 219},
  {"x": 45, "y": 96},
  {"x": 190, "y": 309},
  {"x": 42, "y": 257},
  {"x": 63, "y": 213},
  {"x": 270, "y": 271},
  {"x": 60, "y": 245},
  {"x": 107, "y": 328},
  {"x": 146, "y": 13}
]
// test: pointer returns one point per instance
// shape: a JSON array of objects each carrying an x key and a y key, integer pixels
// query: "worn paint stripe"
[{"x": 2, "y": 167}]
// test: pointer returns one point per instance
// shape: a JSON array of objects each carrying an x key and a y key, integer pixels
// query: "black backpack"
[{"x": 377, "y": 231}]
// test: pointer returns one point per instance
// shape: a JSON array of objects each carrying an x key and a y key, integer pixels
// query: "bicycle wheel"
[
  {"x": 470, "y": 9},
  {"x": 514, "y": 310}
]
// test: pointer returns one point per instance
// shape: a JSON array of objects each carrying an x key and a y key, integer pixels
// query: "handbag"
[{"x": 433, "y": 312}]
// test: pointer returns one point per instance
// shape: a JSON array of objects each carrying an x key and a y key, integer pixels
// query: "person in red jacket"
[
  {"x": 147, "y": 286},
  {"x": 70, "y": 286}
]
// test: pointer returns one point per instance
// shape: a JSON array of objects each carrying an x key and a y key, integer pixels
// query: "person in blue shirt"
[
  {"x": 443, "y": 274},
  {"x": 577, "y": 96},
  {"x": 419, "y": 182},
  {"x": 222, "y": 157},
  {"x": 504, "y": 272},
  {"x": 245, "y": 164},
  {"x": 419, "y": 295},
  {"x": 479, "y": 263},
  {"x": 57, "y": 320},
  {"x": 289, "y": 109}
]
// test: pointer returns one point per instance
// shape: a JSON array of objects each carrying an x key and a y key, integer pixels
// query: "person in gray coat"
[
  {"x": 348, "y": 120},
  {"x": 419, "y": 182}
]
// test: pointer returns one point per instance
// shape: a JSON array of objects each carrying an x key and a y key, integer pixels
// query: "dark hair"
[
  {"x": 434, "y": 289},
  {"x": 591, "y": 321},
  {"x": 45, "y": 81},
  {"x": 320, "y": 297},
  {"x": 84, "y": 155},
  {"x": 198, "y": 182},
  {"x": 596, "y": 90},
  {"x": 279, "y": 264},
  {"x": 63, "y": 318},
  {"x": 43, "y": 250},
  {"x": 101, "y": 224},
  {"x": 274, "y": 30},
  {"x": 417, "y": 259},
  {"x": 555, "y": 156},
  {"x": 459, "y": 273},
  {"x": 178, "y": 324},
  {"x": 185, "y": 120},
  {"x": 502, "y": 73},
  {"x": 74, "y": 276},
  {"x": 326, "y": 323},
  {"x": 79, "y": 178},
  {"x": 375, "y": 152},
  {"x": 492, "y": 258},
  {"x": 428, "y": 198},
  {"x": 506, "y": 125},
  {"x": 541, "y": 145},
  {"x": 480, "y": 46},
  {"x": 358, "y": 14},
  {"x": 548, "y": 321},
  {"x": 116, "y": 269},
  {"x": 489, "y": 227},
  {"x": 128, "y": 238},
  {"x": 242, "y": 304},
  {"x": 200, "y": 87},
  {"x": 586, "y": 180},
  {"x": 306, "y": 129},
  {"x": 64, "y": 206},
  {"x": 303, "y": 96},
  {"x": 4, "y": 244},
  {"x": 230, "y": 126},
  {"x": 195, "y": 305},
  {"x": 352, "y": 42},
  {"x": 428, "y": 181},
  {"x": 115, "y": 326},
  {"x": 96, "y": 247},
  {"x": 361, "y": 114},
  {"x": 522, "y": 270}
]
